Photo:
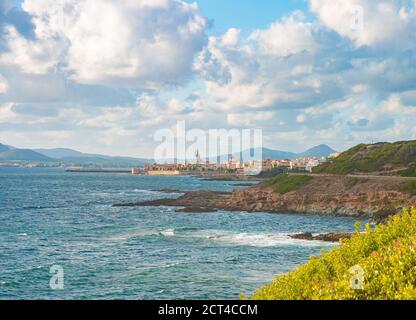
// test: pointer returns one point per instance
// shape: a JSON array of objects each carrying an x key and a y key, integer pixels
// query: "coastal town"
[
  {"x": 233, "y": 166},
  {"x": 230, "y": 167}
]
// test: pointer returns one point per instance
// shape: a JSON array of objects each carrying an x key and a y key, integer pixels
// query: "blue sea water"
[{"x": 50, "y": 217}]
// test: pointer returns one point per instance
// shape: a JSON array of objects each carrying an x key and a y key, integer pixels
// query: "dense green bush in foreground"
[{"x": 386, "y": 255}]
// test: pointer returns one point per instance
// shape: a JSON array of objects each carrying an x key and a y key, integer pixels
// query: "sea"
[{"x": 61, "y": 238}]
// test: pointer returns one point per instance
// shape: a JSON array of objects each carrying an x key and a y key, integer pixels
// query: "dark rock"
[
  {"x": 302, "y": 236},
  {"x": 333, "y": 237},
  {"x": 326, "y": 237},
  {"x": 191, "y": 201}
]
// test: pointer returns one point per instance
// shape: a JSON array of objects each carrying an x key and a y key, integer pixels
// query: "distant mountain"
[
  {"x": 60, "y": 153},
  {"x": 318, "y": 152},
  {"x": 11, "y": 153},
  {"x": 315, "y": 152},
  {"x": 78, "y": 158},
  {"x": 69, "y": 157},
  {"x": 277, "y": 154},
  {"x": 73, "y": 157},
  {"x": 3, "y": 148}
]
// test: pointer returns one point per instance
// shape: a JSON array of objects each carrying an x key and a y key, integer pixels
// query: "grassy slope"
[
  {"x": 372, "y": 158},
  {"x": 409, "y": 172},
  {"x": 284, "y": 183},
  {"x": 387, "y": 255}
]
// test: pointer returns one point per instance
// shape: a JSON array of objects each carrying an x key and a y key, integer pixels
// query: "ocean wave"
[
  {"x": 101, "y": 194},
  {"x": 128, "y": 236},
  {"x": 141, "y": 234},
  {"x": 168, "y": 233},
  {"x": 42, "y": 207},
  {"x": 147, "y": 192},
  {"x": 255, "y": 239}
]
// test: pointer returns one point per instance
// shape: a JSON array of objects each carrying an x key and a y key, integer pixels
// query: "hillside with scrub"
[
  {"x": 375, "y": 264},
  {"x": 397, "y": 158}
]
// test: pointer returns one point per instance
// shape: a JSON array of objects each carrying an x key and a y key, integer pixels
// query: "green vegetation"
[
  {"x": 372, "y": 158},
  {"x": 409, "y": 172},
  {"x": 353, "y": 181},
  {"x": 272, "y": 173},
  {"x": 277, "y": 171},
  {"x": 409, "y": 187},
  {"x": 285, "y": 183},
  {"x": 386, "y": 255}
]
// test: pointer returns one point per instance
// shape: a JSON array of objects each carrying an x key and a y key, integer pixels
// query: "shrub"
[
  {"x": 386, "y": 255},
  {"x": 286, "y": 183},
  {"x": 272, "y": 173},
  {"x": 409, "y": 172},
  {"x": 351, "y": 182},
  {"x": 409, "y": 187}
]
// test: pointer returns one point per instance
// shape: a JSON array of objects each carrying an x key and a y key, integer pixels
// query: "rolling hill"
[
  {"x": 320, "y": 151},
  {"x": 60, "y": 153},
  {"x": 317, "y": 152},
  {"x": 76, "y": 157},
  {"x": 11, "y": 153},
  {"x": 73, "y": 157},
  {"x": 68, "y": 157},
  {"x": 398, "y": 158}
]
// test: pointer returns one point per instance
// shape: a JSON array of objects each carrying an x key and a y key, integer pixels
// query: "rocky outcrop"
[
  {"x": 326, "y": 237},
  {"x": 375, "y": 198},
  {"x": 191, "y": 201}
]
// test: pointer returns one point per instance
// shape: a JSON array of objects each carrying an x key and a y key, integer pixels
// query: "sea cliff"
[{"x": 367, "y": 196}]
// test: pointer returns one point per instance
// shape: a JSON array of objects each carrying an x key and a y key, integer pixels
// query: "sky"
[{"x": 103, "y": 76}]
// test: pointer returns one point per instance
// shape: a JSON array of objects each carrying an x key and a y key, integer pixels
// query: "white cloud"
[
  {"x": 359, "y": 88},
  {"x": 270, "y": 68},
  {"x": 4, "y": 85},
  {"x": 368, "y": 22},
  {"x": 304, "y": 82},
  {"x": 231, "y": 38},
  {"x": 6, "y": 113},
  {"x": 125, "y": 43},
  {"x": 31, "y": 56},
  {"x": 290, "y": 36},
  {"x": 249, "y": 119}
]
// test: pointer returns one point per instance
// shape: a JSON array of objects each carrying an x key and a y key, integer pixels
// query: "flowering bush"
[{"x": 386, "y": 255}]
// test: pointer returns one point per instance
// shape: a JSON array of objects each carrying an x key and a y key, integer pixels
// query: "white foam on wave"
[
  {"x": 140, "y": 234},
  {"x": 168, "y": 233},
  {"x": 148, "y": 192},
  {"x": 129, "y": 235},
  {"x": 255, "y": 239},
  {"x": 142, "y": 191},
  {"x": 101, "y": 194}
]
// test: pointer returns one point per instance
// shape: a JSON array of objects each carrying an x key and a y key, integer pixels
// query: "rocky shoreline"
[
  {"x": 325, "y": 237},
  {"x": 371, "y": 198},
  {"x": 189, "y": 201}
]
